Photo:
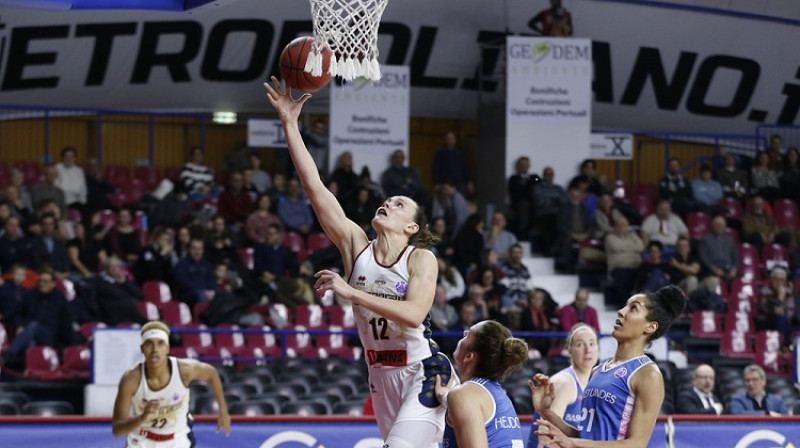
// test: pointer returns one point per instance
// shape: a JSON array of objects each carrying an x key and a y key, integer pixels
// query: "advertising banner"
[
  {"x": 370, "y": 119},
  {"x": 548, "y": 102},
  {"x": 265, "y": 133},
  {"x": 611, "y": 146}
]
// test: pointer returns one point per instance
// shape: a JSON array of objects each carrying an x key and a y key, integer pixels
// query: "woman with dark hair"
[
  {"x": 468, "y": 245},
  {"x": 124, "y": 236},
  {"x": 624, "y": 394},
  {"x": 157, "y": 258},
  {"x": 498, "y": 302},
  {"x": 258, "y": 222},
  {"x": 391, "y": 281},
  {"x": 484, "y": 356},
  {"x": 763, "y": 179},
  {"x": 344, "y": 175}
]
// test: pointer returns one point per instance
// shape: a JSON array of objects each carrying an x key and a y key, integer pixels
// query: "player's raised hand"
[
  {"x": 442, "y": 390},
  {"x": 281, "y": 99},
  {"x": 329, "y": 280},
  {"x": 224, "y": 423},
  {"x": 542, "y": 392},
  {"x": 150, "y": 410},
  {"x": 551, "y": 436}
]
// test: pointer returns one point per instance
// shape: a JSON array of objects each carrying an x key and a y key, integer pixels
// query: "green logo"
[{"x": 541, "y": 51}]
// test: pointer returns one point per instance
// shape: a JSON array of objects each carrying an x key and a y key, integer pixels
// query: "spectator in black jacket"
[
  {"x": 117, "y": 296},
  {"x": 48, "y": 248},
  {"x": 194, "y": 276},
  {"x": 520, "y": 193},
  {"x": 44, "y": 319},
  {"x": 156, "y": 259},
  {"x": 272, "y": 259},
  {"x": 700, "y": 398},
  {"x": 14, "y": 246}
]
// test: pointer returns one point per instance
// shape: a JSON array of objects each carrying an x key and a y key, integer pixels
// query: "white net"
[{"x": 350, "y": 29}]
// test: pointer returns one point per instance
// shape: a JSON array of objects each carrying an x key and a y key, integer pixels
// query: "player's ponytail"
[
  {"x": 498, "y": 352},
  {"x": 423, "y": 238},
  {"x": 664, "y": 306}
]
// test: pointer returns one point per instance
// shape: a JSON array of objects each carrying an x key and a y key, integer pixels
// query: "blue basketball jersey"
[
  {"x": 608, "y": 400},
  {"x": 502, "y": 428},
  {"x": 573, "y": 414}
]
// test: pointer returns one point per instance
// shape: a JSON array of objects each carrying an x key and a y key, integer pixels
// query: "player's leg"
[{"x": 413, "y": 434}]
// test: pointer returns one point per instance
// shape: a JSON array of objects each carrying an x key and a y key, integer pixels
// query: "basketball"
[{"x": 293, "y": 62}]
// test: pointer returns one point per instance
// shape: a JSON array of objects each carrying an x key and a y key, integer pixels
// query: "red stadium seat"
[
  {"x": 769, "y": 353},
  {"x": 317, "y": 241},
  {"x": 706, "y": 324},
  {"x": 335, "y": 344},
  {"x": 642, "y": 204},
  {"x": 294, "y": 241},
  {"x": 42, "y": 363},
  {"x": 340, "y": 316},
  {"x": 648, "y": 190},
  {"x": 201, "y": 341},
  {"x": 184, "y": 352},
  {"x": 749, "y": 262},
  {"x": 117, "y": 175},
  {"x": 134, "y": 190},
  {"x": 786, "y": 214},
  {"x": 88, "y": 328},
  {"x": 309, "y": 316},
  {"x": 108, "y": 218},
  {"x": 31, "y": 172},
  {"x": 176, "y": 314},
  {"x": 301, "y": 344},
  {"x": 739, "y": 320},
  {"x": 148, "y": 175},
  {"x": 157, "y": 292},
  {"x": 266, "y": 342},
  {"x": 736, "y": 344},
  {"x": 172, "y": 173},
  {"x": 118, "y": 199},
  {"x": 232, "y": 341},
  {"x": 733, "y": 206},
  {"x": 148, "y": 310},
  {"x": 198, "y": 309},
  {"x": 280, "y": 315},
  {"x": 699, "y": 225},
  {"x": 773, "y": 255},
  {"x": 246, "y": 255},
  {"x": 77, "y": 362}
]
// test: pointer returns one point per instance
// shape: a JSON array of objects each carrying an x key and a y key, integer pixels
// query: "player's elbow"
[{"x": 116, "y": 430}]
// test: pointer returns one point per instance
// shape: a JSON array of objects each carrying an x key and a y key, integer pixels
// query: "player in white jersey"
[
  {"x": 158, "y": 391},
  {"x": 392, "y": 281}
]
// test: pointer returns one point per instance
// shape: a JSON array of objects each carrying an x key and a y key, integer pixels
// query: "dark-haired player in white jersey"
[
  {"x": 158, "y": 390},
  {"x": 392, "y": 281}
]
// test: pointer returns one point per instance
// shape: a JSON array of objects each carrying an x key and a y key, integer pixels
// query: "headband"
[{"x": 155, "y": 333}]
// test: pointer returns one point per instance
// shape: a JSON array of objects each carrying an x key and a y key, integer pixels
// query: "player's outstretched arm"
[
  {"x": 122, "y": 422},
  {"x": 200, "y": 371},
  {"x": 331, "y": 216},
  {"x": 543, "y": 394}
]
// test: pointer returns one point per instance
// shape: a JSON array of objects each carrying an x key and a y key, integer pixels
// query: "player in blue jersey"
[
  {"x": 624, "y": 394},
  {"x": 479, "y": 412},
  {"x": 569, "y": 384}
]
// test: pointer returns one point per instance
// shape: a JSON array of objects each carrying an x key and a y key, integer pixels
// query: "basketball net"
[{"x": 350, "y": 29}]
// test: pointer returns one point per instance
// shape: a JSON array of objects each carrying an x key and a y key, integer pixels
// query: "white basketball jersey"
[
  {"x": 173, "y": 408},
  {"x": 387, "y": 343}
]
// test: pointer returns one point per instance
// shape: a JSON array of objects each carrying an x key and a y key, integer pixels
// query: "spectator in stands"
[
  {"x": 575, "y": 225},
  {"x": 451, "y": 281},
  {"x": 345, "y": 177},
  {"x": 700, "y": 398},
  {"x": 221, "y": 244},
  {"x": 775, "y": 305},
  {"x": 449, "y": 164},
  {"x": 759, "y": 228},
  {"x": 272, "y": 259},
  {"x": 71, "y": 179},
  {"x": 360, "y": 208},
  {"x": 44, "y": 319},
  {"x": 247, "y": 184},
  {"x": 706, "y": 191},
  {"x": 235, "y": 203},
  {"x": 476, "y": 295},
  {"x": 655, "y": 272},
  {"x": 365, "y": 180},
  {"x": 183, "y": 239},
  {"x": 278, "y": 190},
  {"x": 718, "y": 255},
  {"x": 685, "y": 267},
  {"x": 238, "y": 159},
  {"x": 605, "y": 216},
  {"x": 443, "y": 314},
  {"x": 555, "y": 21},
  {"x": 790, "y": 175},
  {"x": 18, "y": 180},
  {"x": 521, "y": 187},
  {"x": 444, "y": 247},
  {"x": 261, "y": 179},
  {"x": 156, "y": 260},
  {"x": 664, "y": 226},
  {"x": 294, "y": 210},
  {"x": 47, "y": 188},
  {"x": 172, "y": 211},
  {"x": 97, "y": 188},
  {"x": 623, "y": 257},
  {"x": 117, "y": 295},
  {"x": 579, "y": 311},
  {"x": 764, "y": 180},
  {"x": 194, "y": 276},
  {"x": 498, "y": 303},
  {"x": 15, "y": 204},
  {"x": 12, "y": 293},
  {"x": 468, "y": 315},
  {"x": 316, "y": 140},
  {"x": 196, "y": 177},
  {"x": 497, "y": 238},
  {"x": 400, "y": 180},
  {"x": 675, "y": 187},
  {"x": 14, "y": 246},
  {"x": 596, "y": 183},
  {"x": 468, "y": 245},
  {"x": 537, "y": 318},
  {"x": 517, "y": 279},
  {"x": 450, "y": 204},
  {"x": 48, "y": 248},
  {"x": 88, "y": 250},
  {"x": 124, "y": 237},
  {"x": 756, "y": 401},
  {"x": 734, "y": 181},
  {"x": 259, "y": 221},
  {"x": 775, "y": 152}
]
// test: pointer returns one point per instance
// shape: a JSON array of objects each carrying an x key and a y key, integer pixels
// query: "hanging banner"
[
  {"x": 264, "y": 133},
  {"x": 604, "y": 146},
  {"x": 763, "y": 434},
  {"x": 370, "y": 119},
  {"x": 548, "y": 102}
]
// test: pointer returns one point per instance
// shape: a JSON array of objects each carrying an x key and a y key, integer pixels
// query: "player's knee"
[{"x": 397, "y": 442}]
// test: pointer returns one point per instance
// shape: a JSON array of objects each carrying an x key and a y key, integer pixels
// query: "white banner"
[
  {"x": 605, "y": 146},
  {"x": 371, "y": 120},
  {"x": 265, "y": 133},
  {"x": 691, "y": 70},
  {"x": 113, "y": 352},
  {"x": 548, "y": 103}
]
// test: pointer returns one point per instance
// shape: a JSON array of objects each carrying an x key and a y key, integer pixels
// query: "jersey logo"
[
  {"x": 175, "y": 397},
  {"x": 401, "y": 287},
  {"x": 392, "y": 358},
  {"x": 621, "y": 372},
  {"x": 361, "y": 280}
]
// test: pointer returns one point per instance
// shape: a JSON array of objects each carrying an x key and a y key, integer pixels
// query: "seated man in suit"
[
  {"x": 700, "y": 398},
  {"x": 756, "y": 401}
]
